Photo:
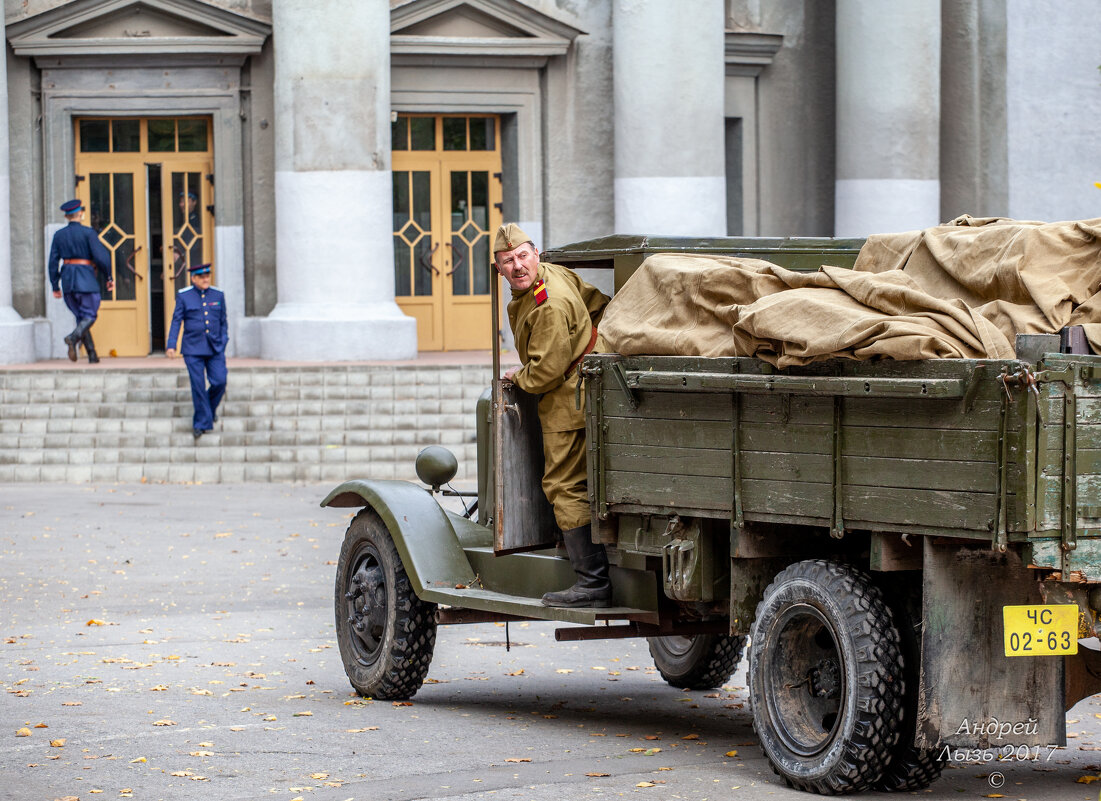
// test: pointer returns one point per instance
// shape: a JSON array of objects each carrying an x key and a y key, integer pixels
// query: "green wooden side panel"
[{"x": 905, "y": 463}]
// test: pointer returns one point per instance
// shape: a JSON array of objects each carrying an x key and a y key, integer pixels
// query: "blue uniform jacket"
[
  {"x": 203, "y": 314},
  {"x": 76, "y": 241}
]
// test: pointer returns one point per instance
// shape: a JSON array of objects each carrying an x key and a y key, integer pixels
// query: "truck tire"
[
  {"x": 825, "y": 678},
  {"x": 910, "y": 768},
  {"x": 700, "y": 662},
  {"x": 385, "y": 633}
]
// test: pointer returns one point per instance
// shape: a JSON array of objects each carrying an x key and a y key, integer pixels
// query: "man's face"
[
  {"x": 201, "y": 281},
  {"x": 519, "y": 267}
]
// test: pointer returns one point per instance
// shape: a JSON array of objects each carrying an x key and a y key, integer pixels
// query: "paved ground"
[{"x": 176, "y": 642}]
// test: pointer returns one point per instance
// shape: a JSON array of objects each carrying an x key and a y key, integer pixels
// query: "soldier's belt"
[
  {"x": 584, "y": 353},
  {"x": 87, "y": 262}
]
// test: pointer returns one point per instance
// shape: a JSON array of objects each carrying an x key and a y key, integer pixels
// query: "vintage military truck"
[{"x": 912, "y": 548}]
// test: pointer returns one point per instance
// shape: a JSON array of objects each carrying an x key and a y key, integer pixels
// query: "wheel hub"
[{"x": 366, "y": 597}]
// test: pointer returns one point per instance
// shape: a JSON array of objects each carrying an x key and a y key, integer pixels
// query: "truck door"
[{"x": 523, "y": 520}]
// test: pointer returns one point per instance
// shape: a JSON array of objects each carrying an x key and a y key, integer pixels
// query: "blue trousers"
[
  {"x": 83, "y": 305},
  {"x": 205, "y": 401}
]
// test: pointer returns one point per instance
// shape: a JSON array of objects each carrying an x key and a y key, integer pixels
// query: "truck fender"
[{"x": 424, "y": 536}]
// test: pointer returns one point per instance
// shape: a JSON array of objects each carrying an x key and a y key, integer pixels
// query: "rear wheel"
[
  {"x": 700, "y": 662},
  {"x": 910, "y": 768},
  {"x": 825, "y": 678},
  {"x": 385, "y": 633}
]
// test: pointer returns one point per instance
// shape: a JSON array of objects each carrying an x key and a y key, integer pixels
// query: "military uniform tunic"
[
  {"x": 205, "y": 334},
  {"x": 78, "y": 283},
  {"x": 553, "y": 325}
]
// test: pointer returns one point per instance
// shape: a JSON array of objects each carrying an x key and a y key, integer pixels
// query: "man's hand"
[
  {"x": 170, "y": 353},
  {"x": 57, "y": 293},
  {"x": 510, "y": 372},
  {"x": 110, "y": 285}
]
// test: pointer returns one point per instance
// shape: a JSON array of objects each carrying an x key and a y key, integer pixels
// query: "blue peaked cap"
[
  {"x": 70, "y": 206},
  {"x": 199, "y": 269}
]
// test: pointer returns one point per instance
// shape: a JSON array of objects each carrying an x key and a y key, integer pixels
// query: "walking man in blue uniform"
[
  {"x": 201, "y": 309},
  {"x": 76, "y": 254}
]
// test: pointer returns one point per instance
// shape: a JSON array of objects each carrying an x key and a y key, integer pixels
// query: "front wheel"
[
  {"x": 700, "y": 662},
  {"x": 826, "y": 678},
  {"x": 385, "y": 633}
]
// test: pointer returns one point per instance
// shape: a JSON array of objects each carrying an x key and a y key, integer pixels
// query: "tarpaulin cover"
[{"x": 960, "y": 290}]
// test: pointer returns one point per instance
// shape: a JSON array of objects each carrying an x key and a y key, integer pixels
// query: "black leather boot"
[
  {"x": 590, "y": 562},
  {"x": 90, "y": 346},
  {"x": 73, "y": 340}
]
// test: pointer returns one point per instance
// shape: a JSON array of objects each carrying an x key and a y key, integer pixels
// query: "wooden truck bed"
[{"x": 959, "y": 448}]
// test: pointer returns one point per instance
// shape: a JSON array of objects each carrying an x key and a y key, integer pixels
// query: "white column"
[
  {"x": 334, "y": 247},
  {"x": 16, "y": 334},
  {"x": 670, "y": 168},
  {"x": 888, "y": 116}
]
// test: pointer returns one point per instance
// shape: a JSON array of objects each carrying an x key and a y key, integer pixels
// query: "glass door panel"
[
  {"x": 447, "y": 191},
  {"x": 186, "y": 200},
  {"x": 113, "y": 212}
]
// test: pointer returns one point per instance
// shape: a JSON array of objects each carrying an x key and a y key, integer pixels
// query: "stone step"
[{"x": 276, "y": 423}]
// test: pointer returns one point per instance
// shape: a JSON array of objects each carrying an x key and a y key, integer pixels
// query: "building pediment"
[
  {"x": 122, "y": 27},
  {"x": 476, "y": 28}
]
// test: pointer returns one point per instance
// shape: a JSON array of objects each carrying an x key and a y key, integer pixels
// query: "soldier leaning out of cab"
[
  {"x": 76, "y": 255},
  {"x": 201, "y": 309},
  {"x": 554, "y": 314}
]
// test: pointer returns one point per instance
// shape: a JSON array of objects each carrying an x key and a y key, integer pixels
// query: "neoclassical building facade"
[{"x": 344, "y": 165}]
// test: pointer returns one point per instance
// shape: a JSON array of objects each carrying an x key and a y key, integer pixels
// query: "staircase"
[{"x": 326, "y": 423}]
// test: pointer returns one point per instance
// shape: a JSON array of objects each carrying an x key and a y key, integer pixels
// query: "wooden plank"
[
  {"x": 686, "y": 433},
  {"x": 670, "y": 491},
  {"x": 907, "y": 413},
  {"x": 664, "y": 459},
  {"x": 928, "y": 474},
  {"x": 866, "y": 506},
  {"x": 975, "y": 446},
  {"x": 789, "y": 498},
  {"x": 665, "y": 405}
]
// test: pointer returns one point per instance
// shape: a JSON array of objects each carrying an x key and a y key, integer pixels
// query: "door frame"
[
  {"x": 443, "y": 310},
  {"x": 137, "y": 163}
]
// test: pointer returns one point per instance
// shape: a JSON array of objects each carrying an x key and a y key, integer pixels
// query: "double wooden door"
[
  {"x": 447, "y": 208},
  {"x": 147, "y": 185}
]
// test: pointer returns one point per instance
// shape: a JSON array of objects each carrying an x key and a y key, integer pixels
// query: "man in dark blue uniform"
[
  {"x": 76, "y": 254},
  {"x": 201, "y": 309}
]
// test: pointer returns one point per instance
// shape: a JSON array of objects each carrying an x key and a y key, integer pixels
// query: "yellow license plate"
[{"x": 1041, "y": 630}]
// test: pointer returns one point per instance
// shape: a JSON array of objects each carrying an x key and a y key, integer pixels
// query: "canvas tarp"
[{"x": 960, "y": 290}]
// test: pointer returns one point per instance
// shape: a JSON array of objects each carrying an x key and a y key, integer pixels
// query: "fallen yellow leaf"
[
  {"x": 94, "y": 622},
  {"x": 164, "y": 722},
  {"x": 58, "y": 743},
  {"x": 23, "y": 732},
  {"x": 690, "y": 737},
  {"x": 306, "y": 714},
  {"x": 319, "y": 775},
  {"x": 201, "y": 753},
  {"x": 731, "y": 753},
  {"x": 139, "y": 759},
  {"x": 645, "y": 784},
  {"x": 597, "y": 775},
  {"x": 1087, "y": 779},
  {"x": 515, "y": 759}
]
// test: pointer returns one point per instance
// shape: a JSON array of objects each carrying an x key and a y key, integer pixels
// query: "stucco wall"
[
  {"x": 1053, "y": 100},
  {"x": 796, "y": 114}
]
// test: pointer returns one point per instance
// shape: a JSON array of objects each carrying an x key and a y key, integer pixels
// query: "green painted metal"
[
  {"x": 422, "y": 531},
  {"x": 624, "y": 253},
  {"x": 833, "y": 386}
]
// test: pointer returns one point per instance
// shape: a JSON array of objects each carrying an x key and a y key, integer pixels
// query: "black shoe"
[
  {"x": 590, "y": 562},
  {"x": 92, "y": 357},
  {"x": 197, "y": 432},
  {"x": 89, "y": 345},
  {"x": 72, "y": 346}
]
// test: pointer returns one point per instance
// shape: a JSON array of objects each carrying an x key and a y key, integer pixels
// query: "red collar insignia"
[{"x": 540, "y": 290}]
